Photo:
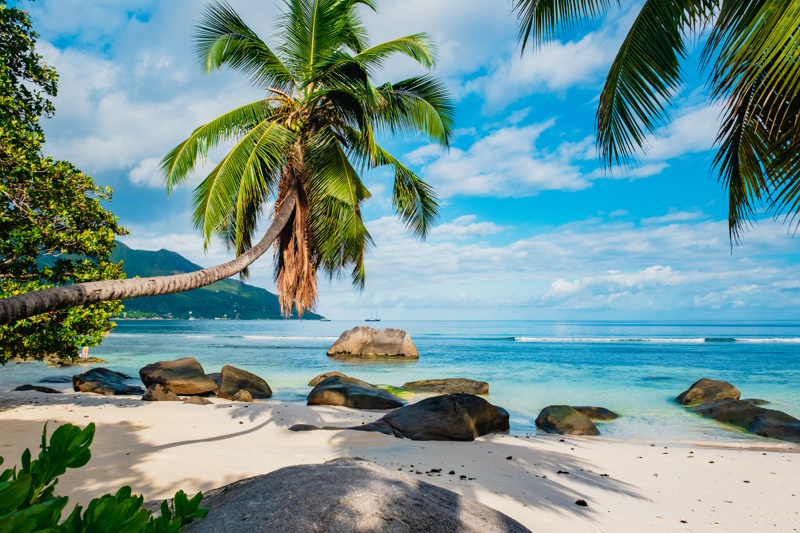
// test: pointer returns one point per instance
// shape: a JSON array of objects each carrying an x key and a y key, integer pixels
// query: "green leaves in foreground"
[{"x": 28, "y": 502}]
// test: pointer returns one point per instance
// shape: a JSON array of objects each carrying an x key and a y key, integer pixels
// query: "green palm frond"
[
  {"x": 418, "y": 104},
  {"x": 642, "y": 80},
  {"x": 222, "y": 38},
  {"x": 418, "y": 47},
  {"x": 182, "y": 160},
  {"x": 255, "y": 158},
  {"x": 541, "y": 20}
]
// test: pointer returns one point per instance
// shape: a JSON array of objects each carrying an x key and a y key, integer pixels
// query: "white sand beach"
[{"x": 160, "y": 447}]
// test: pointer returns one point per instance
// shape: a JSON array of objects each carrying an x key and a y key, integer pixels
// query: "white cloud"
[
  {"x": 465, "y": 227},
  {"x": 677, "y": 216}
]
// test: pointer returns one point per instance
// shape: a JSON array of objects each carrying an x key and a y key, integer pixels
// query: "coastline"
[{"x": 159, "y": 447}]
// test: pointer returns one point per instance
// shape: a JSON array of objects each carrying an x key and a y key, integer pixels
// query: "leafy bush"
[{"x": 28, "y": 501}]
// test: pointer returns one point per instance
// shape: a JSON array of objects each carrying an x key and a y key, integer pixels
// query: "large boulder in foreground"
[
  {"x": 104, "y": 381},
  {"x": 367, "y": 342},
  {"x": 448, "y": 386},
  {"x": 344, "y": 495},
  {"x": 752, "y": 418},
  {"x": 565, "y": 420},
  {"x": 184, "y": 377},
  {"x": 232, "y": 380},
  {"x": 351, "y": 392},
  {"x": 707, "y": 390},
  {"x": 596, "y": 413}
]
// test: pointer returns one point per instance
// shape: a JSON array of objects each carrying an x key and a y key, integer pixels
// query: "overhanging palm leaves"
[
  {"x": 313, "y": 132},
  {"x": 752, "y": 56}
]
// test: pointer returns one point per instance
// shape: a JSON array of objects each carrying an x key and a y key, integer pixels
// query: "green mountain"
[{"x": 228, "y": 298}]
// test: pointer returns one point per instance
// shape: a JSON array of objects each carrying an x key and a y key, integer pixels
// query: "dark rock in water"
[
  {"x": 322, "y": 377},
  {"x": 216, "y": 377},
  {"x": 184, "y": 377},
  {"x": 449, "y": 386},
  {"x": 565, "y": 420},
  {"x": 343, "y": 495},
  {"x": 707, "y": 390},
  {"x": 56, "y": 379},
  {"x": 197, "y": 400},
  {"x": 351, "y": 392},
  {"x": 752, "y": 418},
  {"x": 104, "y": 381},
  {"x": 596, "y": 413},
  {"x": 366, "y": 342},
  {"x": 242, "y": 396},
  {"x": 233, "y": 380},
  {"x": 459, "y": 417},
  {"x": 756, "y": 401},
  {"x": 37, "y": 388},
  {"x": 159, "y": 393}
]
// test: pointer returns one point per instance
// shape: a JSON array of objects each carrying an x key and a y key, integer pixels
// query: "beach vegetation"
[
  {"x": 750, "y": 57},
  {"x": 305, "y": 145},
  {"x": 29, "y": 503},
  {"x": 48, "y": 208}
]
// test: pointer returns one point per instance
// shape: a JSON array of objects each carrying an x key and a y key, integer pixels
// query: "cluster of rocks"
[
  {"x": 569, "y": 420},
  {"x": 721, "y": 401}
]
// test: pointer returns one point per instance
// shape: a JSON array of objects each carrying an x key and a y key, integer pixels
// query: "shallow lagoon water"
[{"x": 634, "y": 368}]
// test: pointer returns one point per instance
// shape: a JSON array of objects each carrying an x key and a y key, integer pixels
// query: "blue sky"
[{"x": 531, "y": 227}]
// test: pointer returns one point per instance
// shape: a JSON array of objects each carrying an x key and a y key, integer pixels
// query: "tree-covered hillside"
[{"x": 224, "y": 299}]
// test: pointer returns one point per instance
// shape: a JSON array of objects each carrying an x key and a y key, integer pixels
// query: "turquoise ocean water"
[{"x": 634, "y": 368}]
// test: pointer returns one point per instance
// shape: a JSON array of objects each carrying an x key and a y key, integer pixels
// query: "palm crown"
[
  {"x": 312, "y": 133},
  {"x": 751, "y": 55}
]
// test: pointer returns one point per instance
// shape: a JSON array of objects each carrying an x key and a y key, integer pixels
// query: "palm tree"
[
  {"x": 303, "y": 144},
  {"x": 750, "y": 55}
]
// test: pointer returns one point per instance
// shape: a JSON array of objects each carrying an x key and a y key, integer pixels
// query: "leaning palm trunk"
[{"x": 36, "y": 302}]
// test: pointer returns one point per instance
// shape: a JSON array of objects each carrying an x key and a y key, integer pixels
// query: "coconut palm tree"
[
  {"x": 751, "y": 57},
  {"x": 304, "y": 144}
]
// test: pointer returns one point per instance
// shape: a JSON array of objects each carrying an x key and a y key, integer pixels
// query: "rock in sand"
[
  {"x": 351, "y": 392},
  {"x": 233, "y": 380},
  {"x": 159, "y": 393},
  {"x": 322, "y": 377},
  {"x": 565, "y": 420},
  {"x": 37, "y": 388},
  {"x": 184, "y": 377},
  {"x": 242, "y": 396},
  {"x": 104, "y": 381}
]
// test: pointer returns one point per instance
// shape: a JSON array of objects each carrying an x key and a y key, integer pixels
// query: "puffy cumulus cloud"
[
  {"x": 465, "y": 227},
  {"x": 505, "y": 163}
]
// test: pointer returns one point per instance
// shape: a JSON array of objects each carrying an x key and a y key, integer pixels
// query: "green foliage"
[
  {"x": 47, "y": 207},
  {"x": 28, "y": 502},
  {"x": 314, "y": 130},
  {"x": 752, "y": 58}
]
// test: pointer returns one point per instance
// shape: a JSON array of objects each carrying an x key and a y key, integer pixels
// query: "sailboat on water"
[{"x": 371, "y": 319}]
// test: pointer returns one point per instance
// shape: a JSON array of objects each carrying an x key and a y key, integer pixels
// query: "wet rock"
[
  {"x": 104, "y": 381},
  {"x": 351, "y": 392},
  {"x": 366, "y": 342},
  {"x": 159, "y": 393},
  {"x": 56, "y": 379},
  {"x": 756, "y": 401},
  {"x": 322, "y": 377},
  {"x": 458, "y": 417},
  {"x": 707, "y": 390},
  {"x": 343, "y": 495},
  {"x": 242, "y": 396},
  {"x": 448, "y": 386},
  {"x": 234, "y": 380},
  {"x": 197, "y": 400},
  {"x": 37, "y": 388},
  {"x": 565, "y": 420},
  {"x": 184, "y": 377},
  {"x": 596, "y": 413},
  {"x": 752, "y": 418}
]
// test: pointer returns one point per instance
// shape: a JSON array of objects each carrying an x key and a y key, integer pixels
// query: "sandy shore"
[{"x": 160, "y": 447}]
